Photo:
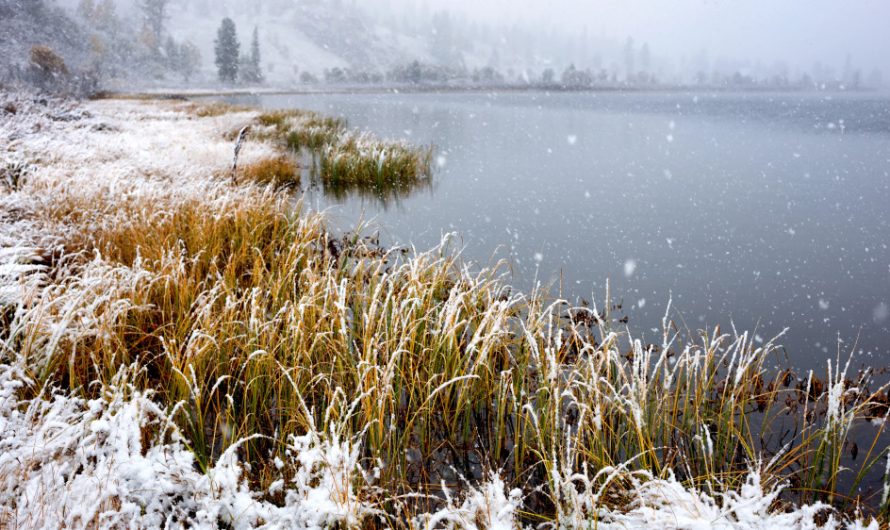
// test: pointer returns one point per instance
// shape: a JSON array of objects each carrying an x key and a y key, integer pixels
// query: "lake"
[{"x": 762, "y": 211}]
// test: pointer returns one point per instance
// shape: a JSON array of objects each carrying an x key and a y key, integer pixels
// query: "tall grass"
[
  {"x": 251, "y": 325},
  {"x": 357, "y": 159},
  {"x": 258, "y": 321},
  {"x": 347, "y": 157}
]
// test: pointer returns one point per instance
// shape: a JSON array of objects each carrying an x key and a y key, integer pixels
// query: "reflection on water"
[{"x": 382, "y": 195}]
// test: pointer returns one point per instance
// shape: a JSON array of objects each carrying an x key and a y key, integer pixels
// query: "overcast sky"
[{"x": 799, "y": 31}]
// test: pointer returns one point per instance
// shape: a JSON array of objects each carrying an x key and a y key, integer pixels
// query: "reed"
[
  {"x": 344, "y": 156},
  {"x": 299, "y": 129},
  {"x": 361, "y": 159}
]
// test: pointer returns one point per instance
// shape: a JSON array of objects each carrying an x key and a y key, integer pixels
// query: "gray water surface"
[{"x": 765, "y": 211}]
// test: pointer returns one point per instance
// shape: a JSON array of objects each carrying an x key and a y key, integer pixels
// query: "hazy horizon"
[
  {"x": 797, "y": 32},
  {"x": 820, "y": 44}
]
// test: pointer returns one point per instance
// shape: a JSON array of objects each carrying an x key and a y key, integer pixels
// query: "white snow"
[
  {"x": 663, "y": 504},
  {"x": 630, "y": 267},
  {"x": 67, "y": 462},
  {"x": 485, "y": 507},
  {"x": 666, "y": 504}
]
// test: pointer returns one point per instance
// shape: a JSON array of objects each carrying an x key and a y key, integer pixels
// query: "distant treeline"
[{"x": 571, "y": 78}]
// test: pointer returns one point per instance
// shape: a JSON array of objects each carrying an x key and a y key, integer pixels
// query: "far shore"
[{"x": 299, "y": 90}]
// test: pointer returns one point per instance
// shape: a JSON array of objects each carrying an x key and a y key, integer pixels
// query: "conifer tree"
[
  {"x": 171, "y": 54},
  {"x": 250, "y": 70},
  {"x": 189, "y": 60},
  {"x": 155, "y": 14},
  {"x": 227, "y": 50},
  {"x": 255, "y": 56}
]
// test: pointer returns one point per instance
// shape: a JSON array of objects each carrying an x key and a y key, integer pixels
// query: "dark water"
[{"x": 758, "y": 210}]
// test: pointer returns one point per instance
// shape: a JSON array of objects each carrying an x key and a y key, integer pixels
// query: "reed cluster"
[
  {"x": 344, "y": 156},
  {"x": 362, "y": 159}
]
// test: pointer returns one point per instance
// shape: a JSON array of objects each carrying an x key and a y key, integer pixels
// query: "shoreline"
[
  {"x": 162, "y": 93},
  {"x": 346, "y": 376}
]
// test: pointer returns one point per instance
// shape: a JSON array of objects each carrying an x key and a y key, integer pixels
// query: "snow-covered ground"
[{"x": 119, "y": 461}]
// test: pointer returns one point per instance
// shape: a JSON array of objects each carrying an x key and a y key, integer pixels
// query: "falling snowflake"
[{"x": 630, "y": 267}]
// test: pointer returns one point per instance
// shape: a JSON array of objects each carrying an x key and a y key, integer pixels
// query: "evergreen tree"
[
  {"x": 250, "y": 70},
  {"x": 548, "y": 76},
  {"x": 630, "y": 71},
  {"x": 189, "y": 60},
  {"x": 414, "y": 73},
  {"x": 171, "y": 54},
  {"x": 155, "y": 13},
  {"x": 227, "y": 50},
  {"x": 255, "y": 56}
]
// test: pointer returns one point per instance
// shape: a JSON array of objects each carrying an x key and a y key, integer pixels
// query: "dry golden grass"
[
  {"x": 213, "y": 109},
  {"x": 278, "y": 171}
]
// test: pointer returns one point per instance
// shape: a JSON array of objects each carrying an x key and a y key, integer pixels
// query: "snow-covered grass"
[
  {"x": 202, "y": 353},
  {"x": 347, "y": 157},
  {"x": 360, "y": 158}
]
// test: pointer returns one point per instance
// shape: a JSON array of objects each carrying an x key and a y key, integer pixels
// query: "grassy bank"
[{"x": 262, "y": 370}]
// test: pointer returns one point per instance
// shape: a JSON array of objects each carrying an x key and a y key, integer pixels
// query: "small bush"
[
  {"x": 48, "y": 69},
  {"x": 48, "y": 61}
]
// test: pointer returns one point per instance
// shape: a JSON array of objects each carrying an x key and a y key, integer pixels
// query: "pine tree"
[
  {"x": 189, "y": 60},
  {"x": 250, "y": 71},
  {"x": 227, "y": 50},
  {"x": 171, "y": 54},
  {"x": 155, "y": 13},
  {"x": 255, "y": 56}
]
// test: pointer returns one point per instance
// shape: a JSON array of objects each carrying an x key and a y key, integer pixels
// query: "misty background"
[{"x": 793, "y": 43}]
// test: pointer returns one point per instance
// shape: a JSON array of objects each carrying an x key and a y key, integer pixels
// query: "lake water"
[{"x": 765, "y": 211}]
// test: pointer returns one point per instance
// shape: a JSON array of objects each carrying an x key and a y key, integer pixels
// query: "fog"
[
  {"x": 800, "y": 32},
  {"x": 804, "y": 44}
]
